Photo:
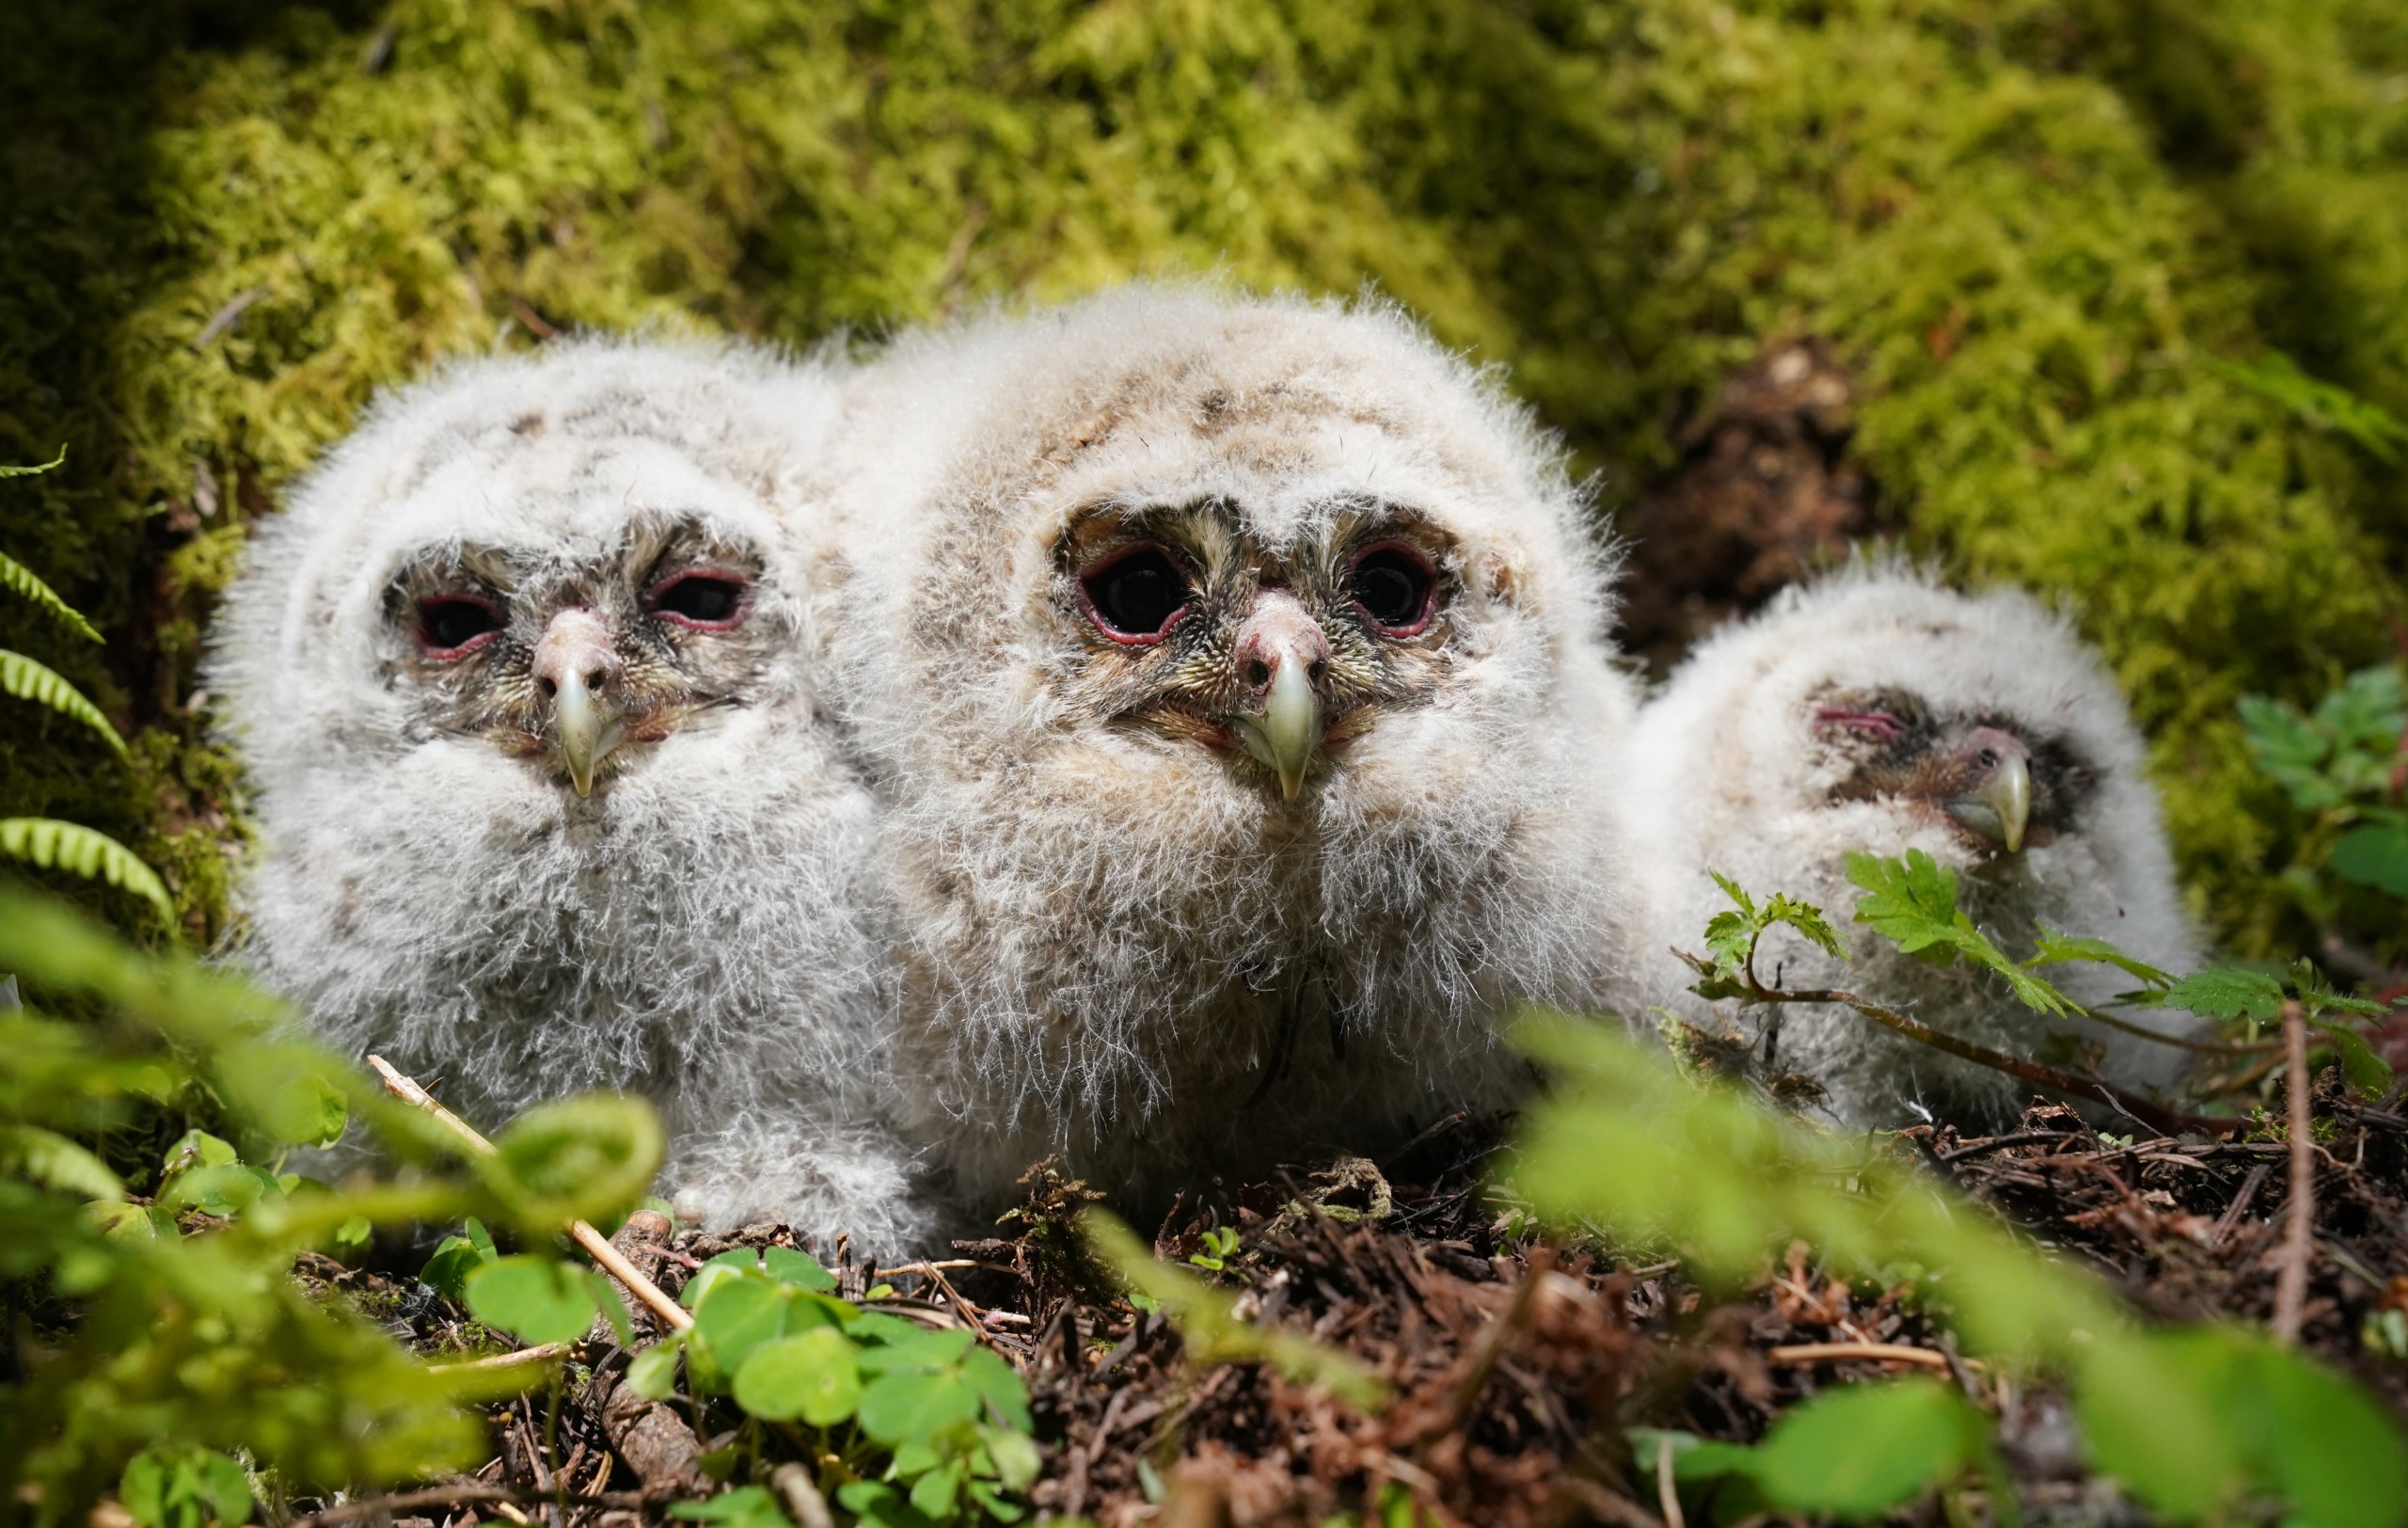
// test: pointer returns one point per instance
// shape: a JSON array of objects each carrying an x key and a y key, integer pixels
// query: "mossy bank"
[{"x": 2030, "y": 230}]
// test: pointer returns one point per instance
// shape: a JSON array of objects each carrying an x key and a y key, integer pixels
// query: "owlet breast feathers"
[{"x": 1173, "y": 732}]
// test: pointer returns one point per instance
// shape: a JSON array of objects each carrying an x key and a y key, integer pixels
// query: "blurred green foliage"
[{"x": 2063, "y": 242}]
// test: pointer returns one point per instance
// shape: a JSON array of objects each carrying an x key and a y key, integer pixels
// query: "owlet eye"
[
  {"x": 1392, "y": 585},
  {"x": 454, "y": 625},
  {"x": 703, "y": 601},
  {"x": 1872, "y": 724},
  {"x": 1135, "y": 596}
]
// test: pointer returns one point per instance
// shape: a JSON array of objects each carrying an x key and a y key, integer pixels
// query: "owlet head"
[
  {"x": 578, "y": 661},
  {"x": 1997, "y": 781},
  {"x": 1266, "y": 647}
]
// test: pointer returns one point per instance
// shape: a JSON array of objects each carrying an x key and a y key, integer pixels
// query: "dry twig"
[
  {"x": 597, "y": 1246},
  {"x": 2299, "y": 1227}
]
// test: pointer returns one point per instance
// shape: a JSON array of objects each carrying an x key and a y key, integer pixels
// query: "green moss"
[{"x": 2028, "y": 224}]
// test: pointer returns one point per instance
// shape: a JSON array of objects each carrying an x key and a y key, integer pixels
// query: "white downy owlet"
[
  {"x": 1232, "y": 674},
  {"x": 523, "y": 681},
  {"x": 1878, "y": 713}
]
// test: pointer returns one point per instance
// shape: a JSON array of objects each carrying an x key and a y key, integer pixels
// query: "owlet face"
[
  {"x": 1997, "y": 781},
  {"x": 575, "y": 663},
  {"x": 1272, "y": 653}
]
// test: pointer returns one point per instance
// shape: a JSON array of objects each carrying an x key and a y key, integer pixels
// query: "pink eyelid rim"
[
  {"x": 716, "y": 575},
  {"x": 1428, "y": 593},
  {"x": 473, "y": 642},
  {"x": 1881, "y": 723},
  {"x": 1106, "y": 564}
]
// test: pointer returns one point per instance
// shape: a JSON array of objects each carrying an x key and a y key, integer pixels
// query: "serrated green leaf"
[
  {"x": 812, "y": 1377},
  {"x": 1807, "y": 919},
  {"x": 53, "y": 845},
  {"x": 1912, "y": 902},
  {"x": 540, "y": 1299},
  {"x": 2056, "y": 948},
  {"x": 2318, "y": 403},
  {"x": 25, "y": 680},
  {"x": 2223, "y": 992}
]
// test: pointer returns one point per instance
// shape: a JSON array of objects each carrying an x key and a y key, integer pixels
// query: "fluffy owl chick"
[
  {"x": 522, "y": 681},
  {"x": 1231, "y": 671},
  {"x": 1878, "y": 712}
]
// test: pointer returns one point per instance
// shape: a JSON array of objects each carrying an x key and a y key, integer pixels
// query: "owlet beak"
[
  {"x": 1279, "y": 650},
  {"x": 2001, "y": 808},
  {"x": 1287, "y": 728},
  {"x": 575, "y": 664}
]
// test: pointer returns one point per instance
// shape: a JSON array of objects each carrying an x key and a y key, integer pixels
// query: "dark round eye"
[
  {"x": 451, "y": 626},
  {"x": 1393, "y": 584},
  {"x": 707, "y": 602},
  {"x": 1135, "y": 597}
]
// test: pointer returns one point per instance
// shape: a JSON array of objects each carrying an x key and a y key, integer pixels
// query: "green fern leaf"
[
  {"x": 53, "y": 845},
  {"x": 25, "y": 680},
  {"x": 17, "y": 575},
  {"x": 34, "y": 472}
]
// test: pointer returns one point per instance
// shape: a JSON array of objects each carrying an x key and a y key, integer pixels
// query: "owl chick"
[
  {"x": 522, "y": 681},
  {"x": 1231, "y": 671},
  {"x": 1876, "y": 712}
]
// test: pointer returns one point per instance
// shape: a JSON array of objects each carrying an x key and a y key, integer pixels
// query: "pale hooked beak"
[
  {"x": 1281, "y": 650},
  {"x": 575, "y": 664},
  {"x": 2001, "y": 808}
]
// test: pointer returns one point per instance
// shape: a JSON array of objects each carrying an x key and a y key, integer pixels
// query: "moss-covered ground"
[{"x": 2032, "y": 228}]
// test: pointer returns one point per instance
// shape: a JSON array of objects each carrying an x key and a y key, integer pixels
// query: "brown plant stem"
[{"x": 2156, "y": 1116}]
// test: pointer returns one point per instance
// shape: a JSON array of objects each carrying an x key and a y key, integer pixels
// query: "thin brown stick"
[
  {"x": 544, "y": 1354},
  {"x": 801, "y": 1495},
  {"x": 1929, "y": 1358},
  {"x": 598, "y": 1245},
  {"x": 2299, "y": 1230},
  {"x": 1667, "y": 1497}
]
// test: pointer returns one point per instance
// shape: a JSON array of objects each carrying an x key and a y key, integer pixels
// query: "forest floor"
[{"x": 1514, "y": 1364}]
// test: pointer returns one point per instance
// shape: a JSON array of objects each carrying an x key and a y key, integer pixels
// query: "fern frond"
[
  {"x": 33, "y": 471},
  {"x": 53, "y": 845},
  {"x": 25, "y": 680},
  {"x": 17, "y": 575}
]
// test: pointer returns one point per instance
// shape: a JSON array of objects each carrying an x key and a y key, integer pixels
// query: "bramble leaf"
[
  {"x": 1913, "y": 902},
  {"x": 2222, "y": 992}
]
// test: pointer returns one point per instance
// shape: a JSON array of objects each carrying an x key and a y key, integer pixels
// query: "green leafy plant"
[
  {"x": 1913, "y": 902},
  {"x": 167, "y": 1327},
  {"x": 2193, "y": 1421},
  {"x": 2341, "y": 767},
  {"x": 42, "y": 841},
  {"x": 1220, "y": 1246},
  {"x": 905, "y": 1424}
]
